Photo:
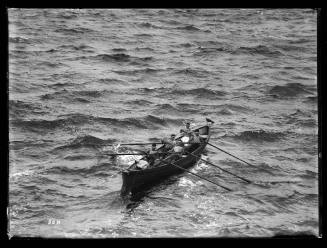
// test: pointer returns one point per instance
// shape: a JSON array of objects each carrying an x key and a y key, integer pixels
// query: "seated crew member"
[
  {"x": 152, "y": 154},
  {"x": 187, "y": 128},
  {"x": 179, "y": 148},
  {"x": 196, "y": 137},
  {"x": 169, "y": 143},
  {"x": 185, "y": 137}
]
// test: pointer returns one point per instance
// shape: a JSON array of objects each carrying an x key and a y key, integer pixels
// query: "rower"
[
  {"x": 196, "y": 137},
  {"x": 179, "y": 147},
  {"x": 152, "y": 154},
  {"x": 185, "y": 137},
  {"x": 170, "y": 143},
  {"x": 187, "y": 128}
]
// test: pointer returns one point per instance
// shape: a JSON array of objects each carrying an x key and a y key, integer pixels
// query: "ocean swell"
[
  {"x": 290, "y": 90},
  {"x": 257, "y": 136}
]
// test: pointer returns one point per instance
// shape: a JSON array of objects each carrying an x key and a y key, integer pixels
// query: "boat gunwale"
[{"x": 167, "y": 164}]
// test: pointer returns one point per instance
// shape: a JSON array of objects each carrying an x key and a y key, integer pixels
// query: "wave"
[
  {"x": 59, "y": 86},
  {"x": 311, "y": 99},
  {"x": 193, "y": 72},
  {"x": 19, "y": 40},
  {"x": 136, "y": 71},
  {"x": 119, "y": 50},
  {"x": 257, "y": 136},
  {"x": 309, "y": 175},
  {"x": 186, "y": 107},
  {"x": 290, "y": 48},
  {"x": 257, "y": 50},
  {"x": 19, "y": 109},
  {"x": 35, "y": 144},
  {"x": 81, "y": 47},
  {"x": 189, "y": 28},
  {"x": 140, "y": 102},
  {"x": 63, "y": 170},
  {"x": 199, "y": 92},
  {"x": 225, "y": 112},
  {"x": 152, "y": 90},
  {"x": 301, "y": 118},
  {"x": 144, "y": 48},
  {"x": 209, "y": 50},
  {"x": 299, "y": 41},
  {"x": 163, "y": 121},
  {"x": 73, "y": 95},
  {"x": 64, "y": 121},
  {"x": 122, "y": 57},
  {"x": 86, "y": 141},
  {"x": 290, "y": 90},
  {"x": 229, "y": 109},
  {"x": 66, "y": 15},
  {"x": 186, "y": 45},
  {"x": 50, "y": 64},
  {"x": 166, "y": 106},
  {"x": 149, "y": 25},
  {"x": 78, "y": 30},
  {"x": 144, "y": 35}
]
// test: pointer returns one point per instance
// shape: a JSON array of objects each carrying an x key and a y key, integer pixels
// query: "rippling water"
[{"x": 82, "y": 80}]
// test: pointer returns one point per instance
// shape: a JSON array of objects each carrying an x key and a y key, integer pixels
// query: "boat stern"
[{"x": 126, "y": 188}]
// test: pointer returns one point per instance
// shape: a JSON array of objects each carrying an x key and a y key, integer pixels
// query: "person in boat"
[
  {"x": 187, "y": 130},
  {"x": 179, "y": 148},
  {"x": 152, "y": 155},
  {"x": 196, "y": 137},
  {"x": 169, "y": 143},
  {"x": 185, "y": 137},
  {"x": 147, "y": 160}
]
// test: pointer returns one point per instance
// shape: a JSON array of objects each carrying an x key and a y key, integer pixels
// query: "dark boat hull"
[{"x": 136, "y": 180}]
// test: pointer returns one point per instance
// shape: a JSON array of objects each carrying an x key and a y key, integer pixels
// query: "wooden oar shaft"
[
  {"x": 231, "y": 155},
  {"x": 200, "y": 177},
  {"x": 221, "y": 168},
  {"x": 138, "y": 144},
  {"x": 118, "y": 154}
]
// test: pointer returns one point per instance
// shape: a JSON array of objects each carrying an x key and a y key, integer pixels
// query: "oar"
[
  {"x": 231, "y": 155},
  {"x": 118, "y": 154},
  {"x": 200, "y": 177},
  {"x": 246, "y": 180},
  {"x": 139, "y": 144}
]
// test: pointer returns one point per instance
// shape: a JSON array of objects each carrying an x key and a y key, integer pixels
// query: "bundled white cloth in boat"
[
  {"x": 142, "y": 164},
  {"x": 178, "y": 148},
  {"x": 185, "y": 139}
]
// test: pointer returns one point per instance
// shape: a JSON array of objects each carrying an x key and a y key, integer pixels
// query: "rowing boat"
[{"x": 134, "y": 180}]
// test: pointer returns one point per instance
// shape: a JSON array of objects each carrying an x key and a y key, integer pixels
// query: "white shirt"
[
  {"x": 142, "y": 164},
  {"x": 178, "y": 149}
]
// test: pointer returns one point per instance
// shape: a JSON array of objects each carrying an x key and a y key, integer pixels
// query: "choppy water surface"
[{"x": 82, "y": 80}]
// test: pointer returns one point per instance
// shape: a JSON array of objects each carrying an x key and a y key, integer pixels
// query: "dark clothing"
[
  {"x": 196, "y": 139},
  {"x": 151, "y": 156}
]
